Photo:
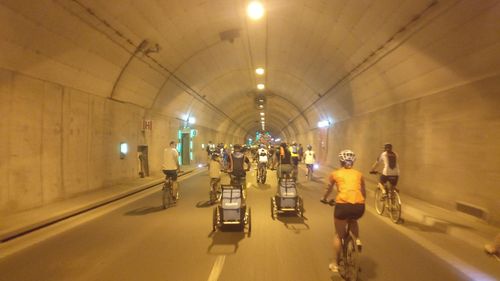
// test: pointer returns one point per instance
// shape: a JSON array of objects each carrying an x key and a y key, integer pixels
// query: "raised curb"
[{"x": 17, "y": 231}]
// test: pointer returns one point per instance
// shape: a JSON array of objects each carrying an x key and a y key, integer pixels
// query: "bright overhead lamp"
[
  {"x": 323, "y": 124},
  {"x": 262, "y": 114},
  {"x": 259, "y": 71},
  {"x": 191, "y": 120},
  {"x": 261, "y": 106},
  {"x": 260, "y": 86},
  {"x": 255, "y": 10}
]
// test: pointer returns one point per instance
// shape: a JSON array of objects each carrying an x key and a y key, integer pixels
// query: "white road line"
[{"x": 217, "y": 268}]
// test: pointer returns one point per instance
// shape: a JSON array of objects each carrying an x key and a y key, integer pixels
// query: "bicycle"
[
  {"x": 389, "y": 200},
  {"x": 348, "y": 260},
  {"x": 168, "y": 196},
  {"x": 261, "y": 173}
]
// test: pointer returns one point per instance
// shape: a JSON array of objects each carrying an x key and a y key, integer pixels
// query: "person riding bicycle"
[
  {"x": 236, "y": 168},
  {"x": 309, "y": 159},
  {"x": 349, "y": 202},
  {"x": 390, "y": 172},
  {"x": 263, "y": 157},
  {"x": 294, "y": 151},
  {"x": 214, "y": 168},
  {"x": 272, "y": 157},
  {"x": 171, "y": 165},
  {"x": 285, "y": 161}
]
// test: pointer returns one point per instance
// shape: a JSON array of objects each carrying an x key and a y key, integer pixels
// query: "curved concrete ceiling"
[{"x": 199, "y": 57}]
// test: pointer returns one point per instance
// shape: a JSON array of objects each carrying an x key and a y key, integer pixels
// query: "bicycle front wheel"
[
  {"x": 395, "y": 207},
  {"x": 379, "y": 201}
]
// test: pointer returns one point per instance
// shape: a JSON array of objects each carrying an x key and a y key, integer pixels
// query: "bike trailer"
[
  {"x": 287, "y": 194},
  {"x": 231, "y": 203}
]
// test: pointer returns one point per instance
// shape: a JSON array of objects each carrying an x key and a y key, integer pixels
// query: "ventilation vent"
[{"x": 471, "y": 210}]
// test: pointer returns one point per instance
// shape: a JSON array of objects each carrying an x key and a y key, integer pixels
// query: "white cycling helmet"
[{"x": 347, "y": 157}]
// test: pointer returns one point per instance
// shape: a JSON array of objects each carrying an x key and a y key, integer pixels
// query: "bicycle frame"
[{"x": 167, "y": 195}]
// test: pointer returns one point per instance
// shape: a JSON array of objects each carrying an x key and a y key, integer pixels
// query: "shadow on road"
[
  {"x": 144, "y": 211},
  {"x": 204, "y": 204},
  {"x": 225, "y": 242},
  {"x": 293, "y": 222},
  {"x": 367, "y": 270},
  {"x": 262, "y": 186}
]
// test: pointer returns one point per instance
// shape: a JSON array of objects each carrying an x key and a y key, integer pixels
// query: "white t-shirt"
[
  {"x": 309, "y": 157},
  {"x": 262, "y": 152},
  {"x": 388, "y": 171},
  {"x": 170, "y": 156}
]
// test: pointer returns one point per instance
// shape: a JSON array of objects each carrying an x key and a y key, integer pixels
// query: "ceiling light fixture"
[
  {"x": 262, "y": 114},
  {"x": 255, "y": 10},
  {"x": 260, "y": 86},
  {"x": 259, "y": 71}
]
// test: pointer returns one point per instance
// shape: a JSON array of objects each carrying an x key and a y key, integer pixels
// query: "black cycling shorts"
[
  {"x": 392, "y": 179},
  {"x": 170, "y": 173},
  {"x": 346, "y": 211}
]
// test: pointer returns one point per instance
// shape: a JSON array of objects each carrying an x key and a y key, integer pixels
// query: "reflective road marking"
[{"x": 217, "y": 269}]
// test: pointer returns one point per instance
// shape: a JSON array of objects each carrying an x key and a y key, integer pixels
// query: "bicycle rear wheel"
[
  {"x": 395, "y": 207},
  {"x": 379, "y": 201},
  {"x": 166, "y": 196},
  {"x": 350, "y": 260}
]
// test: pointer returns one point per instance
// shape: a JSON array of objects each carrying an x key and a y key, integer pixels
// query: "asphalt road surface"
[{"x": 141, "y": 241}]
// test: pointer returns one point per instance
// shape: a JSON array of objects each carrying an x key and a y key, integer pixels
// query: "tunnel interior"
[{"x": 79, "y": 77}]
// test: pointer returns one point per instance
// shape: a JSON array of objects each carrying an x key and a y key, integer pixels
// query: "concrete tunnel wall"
[
  {"x": 60, "y": 142},
  {"x": 448, "y": 145}
]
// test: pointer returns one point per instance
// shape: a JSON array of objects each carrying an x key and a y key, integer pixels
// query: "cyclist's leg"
[
  {"x": 382, "y": 182},
  {"x": 213, "y": 184},
  {"x": 394, "y": 182},
  {"x": 340, "y": 231}
]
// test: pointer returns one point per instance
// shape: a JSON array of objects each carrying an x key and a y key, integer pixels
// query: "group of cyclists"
[{"x": 349, "y": 182}]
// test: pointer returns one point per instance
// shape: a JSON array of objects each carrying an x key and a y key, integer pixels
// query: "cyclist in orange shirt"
[{"x": 349, "y": 202}]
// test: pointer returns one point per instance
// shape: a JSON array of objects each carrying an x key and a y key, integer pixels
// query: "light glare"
[
  {"x": 323, "y": 124},
  {"x": 260, "y": 86},
  {"x": 259, "y": 71},
  {"x": 255, "y": 10}
]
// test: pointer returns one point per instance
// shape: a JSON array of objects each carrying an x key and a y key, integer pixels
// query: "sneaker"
[
  {"x": 359, "y": 245},
  {"x": 323, "y": 200},
  {"x": 333, "y": 267}
]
